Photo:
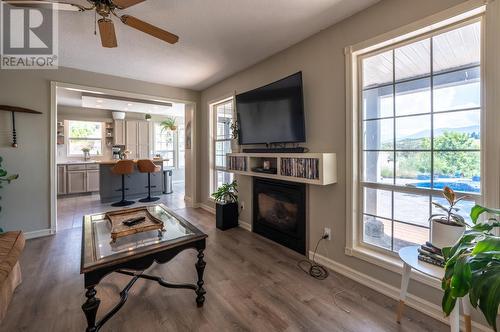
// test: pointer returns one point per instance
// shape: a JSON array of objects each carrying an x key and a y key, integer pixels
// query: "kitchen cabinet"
[
  {"x": 137, "y": 135},
  {"x": 92, "y": 180},
  {"x": 61, "y": 179},
  {"x": 77, "y": 182},
  {"x": 78, "y": 178},
  {"x": 119, "y": 132}
]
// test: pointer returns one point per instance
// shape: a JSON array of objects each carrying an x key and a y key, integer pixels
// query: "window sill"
[{"x": 390, "y": 263}]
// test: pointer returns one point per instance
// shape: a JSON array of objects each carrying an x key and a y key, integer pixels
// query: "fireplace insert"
[{"x": 279, "y": 212}]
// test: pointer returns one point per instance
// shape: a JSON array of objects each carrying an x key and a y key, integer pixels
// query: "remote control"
[{"x": 133, "y": 221}]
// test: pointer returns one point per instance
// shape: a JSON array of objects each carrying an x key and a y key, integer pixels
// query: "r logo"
[{"x": 27, "y": 31}]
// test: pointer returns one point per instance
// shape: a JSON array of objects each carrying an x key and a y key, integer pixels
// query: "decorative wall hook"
[{"x": 13, "y": 110}]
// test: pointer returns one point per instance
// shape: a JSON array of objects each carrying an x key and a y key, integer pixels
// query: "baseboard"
[
  {"x": 207, "y": 208},
  {"x": 417, "y": 303},
  {"x": 37, "y": 234},
  {"x": 246, "y": 226}
]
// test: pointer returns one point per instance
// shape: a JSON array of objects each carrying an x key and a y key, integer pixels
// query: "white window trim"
[
  {"x": 490, "y": 69},
  {"x": 211, "y": 141},
  {"x": 68, "y": 139}
]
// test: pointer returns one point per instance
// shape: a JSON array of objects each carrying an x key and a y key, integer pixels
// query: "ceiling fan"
[{"x": 105, "y": 9}]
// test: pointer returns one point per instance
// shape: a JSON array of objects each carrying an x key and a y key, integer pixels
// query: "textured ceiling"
[{"x": 217, "y": 37}]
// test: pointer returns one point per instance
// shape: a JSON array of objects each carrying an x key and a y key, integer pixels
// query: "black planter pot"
[{"x": 226, "y": 215}]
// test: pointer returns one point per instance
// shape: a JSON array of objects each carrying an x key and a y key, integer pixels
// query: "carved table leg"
[
  {"x": 90, "y": 308},
  {"x": 200, "y": 268}
]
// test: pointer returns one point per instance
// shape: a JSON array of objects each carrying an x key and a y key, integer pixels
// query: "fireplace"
[{"x": 279, "y": 212}]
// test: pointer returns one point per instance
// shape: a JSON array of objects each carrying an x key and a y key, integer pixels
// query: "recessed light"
[
  {"x": 99, "y": 101},
  {"x": 129, "y": 104}
]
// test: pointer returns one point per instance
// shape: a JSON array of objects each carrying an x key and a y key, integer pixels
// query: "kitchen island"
[{"x": 137, "y": 183}]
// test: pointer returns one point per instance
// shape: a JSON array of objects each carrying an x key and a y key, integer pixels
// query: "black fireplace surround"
[{"x": 279, "y": 212}]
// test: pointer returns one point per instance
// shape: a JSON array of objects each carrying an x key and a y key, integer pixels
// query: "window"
[
  {"x": 164, "y": 144},
  {"x": 222, "y": 119},
  {"x": 84, "y": 134},
  {"x": 420, "y": 130}
]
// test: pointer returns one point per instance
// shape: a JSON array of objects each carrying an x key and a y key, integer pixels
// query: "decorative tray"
[{"x": 118, "y": 229}]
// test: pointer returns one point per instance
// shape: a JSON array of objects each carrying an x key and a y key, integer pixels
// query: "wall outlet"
[{"x": 328, "y": 233}]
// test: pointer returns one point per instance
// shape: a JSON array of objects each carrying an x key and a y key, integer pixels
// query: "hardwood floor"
[{"x": 252, "y": 285}]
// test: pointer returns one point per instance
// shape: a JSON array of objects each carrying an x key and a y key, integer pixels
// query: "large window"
[
  {"x": 420, "y": 111},
  {"x": 84, "y": 134},
  {"x": 222, "y": 119}
]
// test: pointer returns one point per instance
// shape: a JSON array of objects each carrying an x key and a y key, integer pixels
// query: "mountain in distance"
[{"x": 437, "y": 132}]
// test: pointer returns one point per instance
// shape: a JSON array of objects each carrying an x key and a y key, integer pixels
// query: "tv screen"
[{"x": 273, "y": 113}]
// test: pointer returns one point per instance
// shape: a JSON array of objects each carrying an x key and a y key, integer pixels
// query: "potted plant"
[
  {"x": 5, "y": 177},
  {"x": 86, "y": 153},
  {"x": 448, "y": 227},
  {"x": 226, "y": 211},
  {"x": 473, "y": 267},
  {"x": 147, "y": 117},
  {"x": 168, "y": 124}
]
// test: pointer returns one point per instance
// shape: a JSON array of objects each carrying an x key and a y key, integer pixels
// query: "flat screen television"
[{"x": 273, "y": 113}]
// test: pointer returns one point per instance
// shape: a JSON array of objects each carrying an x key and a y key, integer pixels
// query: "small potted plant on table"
[
  {"x": 226, "y": 211},
  {"x": 447, "y": 228}
]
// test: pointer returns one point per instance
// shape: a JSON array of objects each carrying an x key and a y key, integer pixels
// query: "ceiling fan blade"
[
  {"x": 122, "y": 4},
  {"x": 107, "y": 32},
  {"x": 149, "y": 29},
  {"x": 63, "y": 6}
]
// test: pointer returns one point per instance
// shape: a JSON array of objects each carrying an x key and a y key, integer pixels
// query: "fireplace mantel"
[{"x": 310, "y": 168}]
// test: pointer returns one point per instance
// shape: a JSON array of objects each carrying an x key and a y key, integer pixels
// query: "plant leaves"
[{"x": 448, "y": 302}]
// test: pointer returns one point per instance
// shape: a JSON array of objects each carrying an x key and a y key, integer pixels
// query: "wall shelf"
[{"x": 311, "y": 168}]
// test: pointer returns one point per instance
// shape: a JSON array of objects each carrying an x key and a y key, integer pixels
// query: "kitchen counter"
[
  {"x": 77, "y": 162},
  {"x": 114, "y": 161},
  {"x": 136, "y": 183}
]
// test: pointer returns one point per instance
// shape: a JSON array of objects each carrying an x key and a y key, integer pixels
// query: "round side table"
[{"x": 409, "y": 256}]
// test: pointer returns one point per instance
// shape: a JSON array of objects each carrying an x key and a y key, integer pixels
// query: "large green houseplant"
[
  {"x": 473, "y": 267},
  {"x": 5, "y": 178}
]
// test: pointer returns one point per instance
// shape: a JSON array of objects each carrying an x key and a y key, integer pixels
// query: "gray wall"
[
  {"x": 31, "y": 89},
  {"x": 321, "y": 60}
]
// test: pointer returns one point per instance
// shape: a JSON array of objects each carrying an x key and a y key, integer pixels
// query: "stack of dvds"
[
  {"x": 307, "y": 168},
  {"x": 430, "y": 254},
  {"x": 237, "y": 163}
]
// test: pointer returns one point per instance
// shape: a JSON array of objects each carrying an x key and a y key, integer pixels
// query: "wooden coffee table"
[{"x": 133, "y": 254}]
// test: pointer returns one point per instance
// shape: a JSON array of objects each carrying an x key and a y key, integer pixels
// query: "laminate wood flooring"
[{"x": 252, "y": 284}]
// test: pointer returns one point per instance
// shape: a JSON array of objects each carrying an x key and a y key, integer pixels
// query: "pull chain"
[{"x": 95, "y": 23}]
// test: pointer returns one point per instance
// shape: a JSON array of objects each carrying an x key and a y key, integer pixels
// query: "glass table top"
[{"x": 98, "y": 247}]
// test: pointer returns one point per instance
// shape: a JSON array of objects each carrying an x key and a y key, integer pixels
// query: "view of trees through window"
[
  {"x": 421, "y": 111},
  {"x": 84, "y": 134}
]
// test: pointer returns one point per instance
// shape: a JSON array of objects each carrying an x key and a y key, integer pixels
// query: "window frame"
[
  {"x": 214, "y": 169},
  {"x": 430, "y": 192},
  {"x": 450, "y": 19},
  {"x": 69, "y": 139}
]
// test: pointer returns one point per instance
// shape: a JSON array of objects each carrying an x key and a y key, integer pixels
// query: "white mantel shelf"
[{"x": 327, "y": 163}]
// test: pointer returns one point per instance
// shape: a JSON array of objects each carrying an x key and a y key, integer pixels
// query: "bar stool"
[
  {"x": 123, "y": 167},
  {"x": 147, "y": 166}
]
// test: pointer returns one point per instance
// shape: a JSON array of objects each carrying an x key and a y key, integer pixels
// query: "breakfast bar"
[{"x": 136, "y": 183}]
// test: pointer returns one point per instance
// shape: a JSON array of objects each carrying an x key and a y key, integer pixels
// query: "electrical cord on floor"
[{"x": 312, "y": 268}]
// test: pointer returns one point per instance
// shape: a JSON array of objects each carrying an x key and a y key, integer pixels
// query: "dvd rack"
[
  {"x": 237, "y": 163},
  {"x": 307, "y": 168}
]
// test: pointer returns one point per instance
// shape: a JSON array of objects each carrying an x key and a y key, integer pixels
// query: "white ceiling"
[{"x": 217, "y": 37}]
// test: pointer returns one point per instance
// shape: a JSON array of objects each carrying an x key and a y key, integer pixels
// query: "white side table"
[{"x": 409, "y": 256}]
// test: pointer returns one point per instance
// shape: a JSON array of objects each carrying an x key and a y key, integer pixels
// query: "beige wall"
[
  {"x": 31, "y": 89},
  {"x": 321, "y": 60}
]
